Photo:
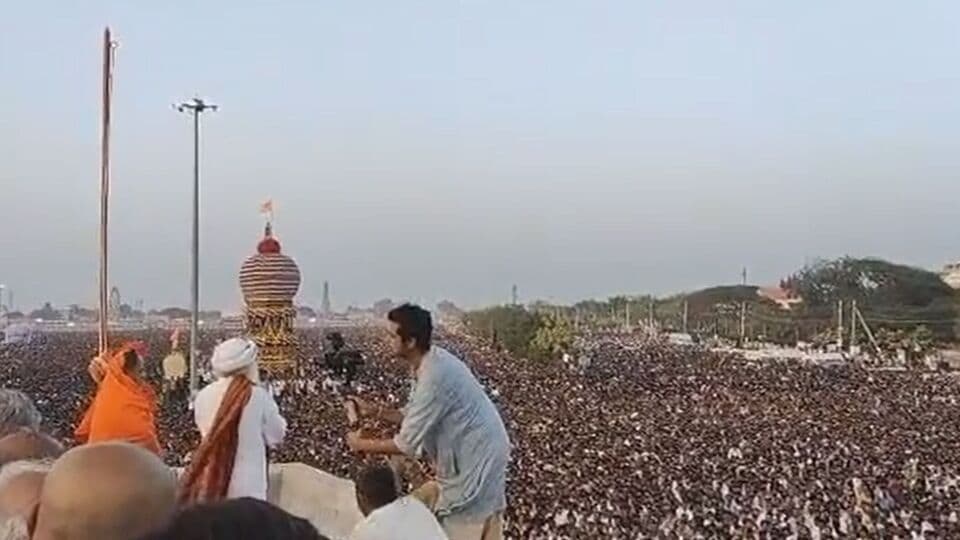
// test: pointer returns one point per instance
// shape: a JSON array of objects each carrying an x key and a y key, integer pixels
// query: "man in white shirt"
[
  {"x": 238, "y": 420},
  {"x": 389, "y": 516}
]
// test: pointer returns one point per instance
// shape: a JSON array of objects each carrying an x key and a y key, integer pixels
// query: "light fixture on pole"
[{"x": 195, "y": 107}]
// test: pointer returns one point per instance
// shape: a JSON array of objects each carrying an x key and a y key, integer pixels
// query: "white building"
[{"x": 20, "y": 333}]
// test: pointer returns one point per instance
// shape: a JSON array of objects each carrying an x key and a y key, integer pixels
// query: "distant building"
[
  {"x": 780, "y": 296},
  {"x": 325, "y": 307},
  {"x": 155, "y": 318},
  {"x": 951, "y": 275},
  {"x": 18, "y": 334}
]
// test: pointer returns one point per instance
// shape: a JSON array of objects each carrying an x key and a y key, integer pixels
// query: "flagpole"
[{"x": 105, "y": 185}]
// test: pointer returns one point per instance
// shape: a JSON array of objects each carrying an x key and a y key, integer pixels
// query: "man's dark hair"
[
  {"x": 336, "y": 340},
  {"x": 378, "y": 485},
  {"x": 414, "y": 323},
  {"x": 236, "y": 519},
  {"x": 130, "y": 360}
]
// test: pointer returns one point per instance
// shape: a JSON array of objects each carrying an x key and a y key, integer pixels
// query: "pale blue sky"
[{"x": 442, "y": 149}]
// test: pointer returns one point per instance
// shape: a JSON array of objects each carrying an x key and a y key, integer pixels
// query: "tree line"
[{"x": 906, "y": 307}]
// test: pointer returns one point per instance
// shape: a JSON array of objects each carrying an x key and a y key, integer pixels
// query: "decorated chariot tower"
[{"x": 269, "y": 281}]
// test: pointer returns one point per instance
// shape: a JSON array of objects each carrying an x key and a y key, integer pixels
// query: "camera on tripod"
[{"x": 343, "y": 363}]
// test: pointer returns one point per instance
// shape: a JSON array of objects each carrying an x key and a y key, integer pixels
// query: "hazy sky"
[{"x": 444, "y": 149}]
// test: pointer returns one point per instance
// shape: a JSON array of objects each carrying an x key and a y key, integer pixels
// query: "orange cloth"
[{"x": 123, "y": 409}]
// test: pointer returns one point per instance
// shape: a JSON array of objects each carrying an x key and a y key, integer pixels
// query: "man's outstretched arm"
[
  {"x": 357, "y": 443},
  {"x": 368, "y": 409}
]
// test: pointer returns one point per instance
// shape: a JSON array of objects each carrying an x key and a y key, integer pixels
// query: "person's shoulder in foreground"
[
  {"x": 405, "y": 518},
  {"x": 389, "y": 516},
  {"x": 236, "y": 519}
]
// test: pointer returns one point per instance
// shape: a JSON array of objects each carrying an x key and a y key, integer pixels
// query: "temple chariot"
[{"x": 270, "y": 281}]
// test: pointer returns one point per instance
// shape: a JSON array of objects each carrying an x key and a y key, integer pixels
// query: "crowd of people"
[{"x": 651, "y": 440}]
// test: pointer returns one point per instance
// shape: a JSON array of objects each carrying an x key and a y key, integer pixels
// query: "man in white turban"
[{"x": 238, "y": 420}]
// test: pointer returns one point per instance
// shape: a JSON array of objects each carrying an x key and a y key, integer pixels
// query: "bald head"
[
  {"x": 28, "y": 445},
  {"x": 110, "y": 490}
]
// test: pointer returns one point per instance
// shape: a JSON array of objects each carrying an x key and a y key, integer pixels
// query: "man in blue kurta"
[{"x": 451, "y": 421}]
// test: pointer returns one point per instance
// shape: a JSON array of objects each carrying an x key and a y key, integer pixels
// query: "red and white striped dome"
[{"x": 269, "y": 276}]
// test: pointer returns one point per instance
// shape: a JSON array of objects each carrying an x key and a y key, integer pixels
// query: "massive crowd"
[{"x": 650, "y": 440}]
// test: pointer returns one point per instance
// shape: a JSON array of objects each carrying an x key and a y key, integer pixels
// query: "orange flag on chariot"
[
  {"x": 123, "y": 409},
  {"x": 267, "y": 208}
]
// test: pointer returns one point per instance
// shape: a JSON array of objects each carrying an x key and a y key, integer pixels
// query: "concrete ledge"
[{"x": 326, "y": 501}]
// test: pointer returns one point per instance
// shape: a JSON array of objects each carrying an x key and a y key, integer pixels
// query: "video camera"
[{"x": 343, "y": 363}]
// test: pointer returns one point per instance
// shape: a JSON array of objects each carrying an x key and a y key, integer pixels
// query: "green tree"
[
  {"x": 553, "y": 337},
  {"x": 175, "y": 313},
  {"x": 870, "y": 281},
  {"x": 46, "y": 313},
  {"x": 384, "y": 306},
  {"x": 889, "y": 295},
  {"x": 513, "y": 327},
  {"x": 449, "y": 310}
]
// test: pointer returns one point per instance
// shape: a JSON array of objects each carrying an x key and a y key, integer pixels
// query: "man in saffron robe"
[{"x": 124, "y": 406}]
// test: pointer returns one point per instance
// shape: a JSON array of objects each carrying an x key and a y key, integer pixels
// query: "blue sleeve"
[{"x": 427, "y": 405}]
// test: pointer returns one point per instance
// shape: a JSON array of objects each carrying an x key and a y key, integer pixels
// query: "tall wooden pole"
[{"x": 105, "y": 185}]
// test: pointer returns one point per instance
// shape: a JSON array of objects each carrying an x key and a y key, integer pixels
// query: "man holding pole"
[{"x": 450, "y": 420}]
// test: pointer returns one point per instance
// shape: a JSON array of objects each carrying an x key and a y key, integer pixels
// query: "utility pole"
[
  {"x": 866, "y": 330},
  {"x": 627, "y": 314},
  {"x": 853, "y": 325},
  {"x": 195, "y": 107},
  {"x": 743, "y": 313},
  {"x": 514, "y": 297},
  {"x": 743, "y": 323},
  {"x": 686, "y": 307},
  {"x": 650, "y": 320},
  {"x": 839, "y": 325}
]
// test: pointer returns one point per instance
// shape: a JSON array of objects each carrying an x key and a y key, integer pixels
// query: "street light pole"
[{"x": 195, "y": 107}]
